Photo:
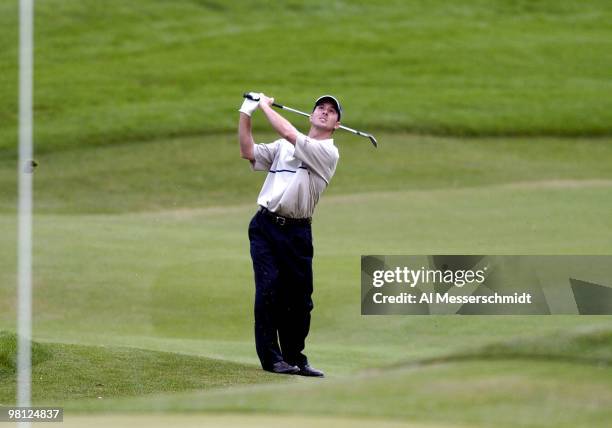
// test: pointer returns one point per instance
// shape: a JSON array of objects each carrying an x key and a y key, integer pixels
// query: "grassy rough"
[
  {"x": 8, "y": 353},
  {"x": 120, "y": 71},
  {"x": 66, "y": 372}
]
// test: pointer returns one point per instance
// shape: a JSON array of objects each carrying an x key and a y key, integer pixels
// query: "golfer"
[{"x": 299, "y": 168}]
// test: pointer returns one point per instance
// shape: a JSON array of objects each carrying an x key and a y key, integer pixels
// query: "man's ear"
[{"x": 337, "y": 125}]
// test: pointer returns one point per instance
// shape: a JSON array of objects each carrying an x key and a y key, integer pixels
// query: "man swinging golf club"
[{"x": 299, "y": 168}]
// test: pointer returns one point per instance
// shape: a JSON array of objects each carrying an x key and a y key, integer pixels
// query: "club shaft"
[
  {"x": 346, "y": 128},
  {"x": 290, "y": 109}
]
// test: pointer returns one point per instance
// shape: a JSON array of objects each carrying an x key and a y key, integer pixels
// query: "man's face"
[{"x": 325, "y": 116}]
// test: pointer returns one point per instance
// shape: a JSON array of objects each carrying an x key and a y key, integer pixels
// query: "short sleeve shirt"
[{"x": 297, "y": 175}]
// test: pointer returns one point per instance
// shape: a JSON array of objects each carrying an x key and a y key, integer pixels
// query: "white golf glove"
[{"x": 249, "y": 106}]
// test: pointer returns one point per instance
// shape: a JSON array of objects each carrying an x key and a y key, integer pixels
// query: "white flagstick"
[{"x": 25, "y": 170}]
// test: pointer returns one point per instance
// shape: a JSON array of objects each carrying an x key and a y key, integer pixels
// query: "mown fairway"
[
  {"x": 494, "y": 122},
  {"x": 179, "y": 280}
]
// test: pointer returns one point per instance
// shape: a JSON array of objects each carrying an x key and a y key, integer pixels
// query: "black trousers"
[{"x": 282, "y": 262}]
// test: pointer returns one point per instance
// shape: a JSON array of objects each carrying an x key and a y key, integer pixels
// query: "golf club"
[{"x": 354, "y": 131}]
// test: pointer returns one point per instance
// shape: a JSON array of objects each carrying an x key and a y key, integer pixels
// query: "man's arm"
[
  {"x": 245, "y": 136},
  {"x": 281, "y": 125}
]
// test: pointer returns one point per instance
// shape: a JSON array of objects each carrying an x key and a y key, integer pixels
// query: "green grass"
[
  {"x": 8, "y": 354},
  {"x": 587, "y": 346},
  {"x": 121, "y": 270},
  {"x": 138, "y": 261},
  {"x": 66, "y": 372},
  {"x": 169, "y": 280},
  {"x": 115, "y": 72},
  {"x": 199, "y": 420},
  {"x": 488, "y": 377},
  {"x": 143, "y": 284},
  {"x": 507, "y": 394},
  {"x": 432, "y": 393},
  {"x": 207, "y": 171}
]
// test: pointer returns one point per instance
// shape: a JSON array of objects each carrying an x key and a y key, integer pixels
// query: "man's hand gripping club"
[{"x": 281, "y": 125}]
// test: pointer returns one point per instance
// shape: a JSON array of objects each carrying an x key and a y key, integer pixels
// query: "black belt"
[{"x": 282, "y": 221}]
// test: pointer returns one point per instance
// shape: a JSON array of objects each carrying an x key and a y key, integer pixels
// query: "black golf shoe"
[
  {"x": 306, "y": 370},
  {"x": 282, "y": 367}
]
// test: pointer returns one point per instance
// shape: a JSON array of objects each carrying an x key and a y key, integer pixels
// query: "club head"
[{"x": 373, "y": 140}]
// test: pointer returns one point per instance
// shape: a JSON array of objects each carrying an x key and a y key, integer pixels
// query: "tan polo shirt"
[{"x": 297, "y": 175}]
